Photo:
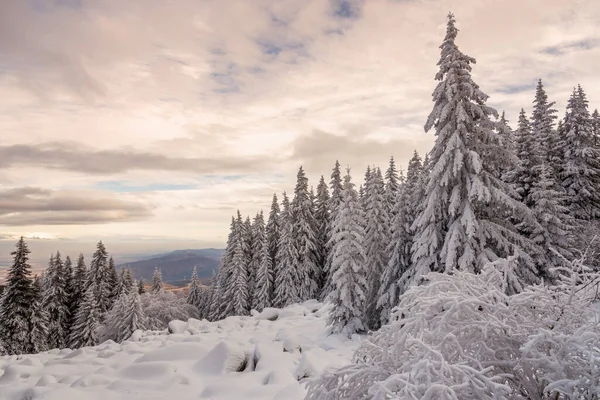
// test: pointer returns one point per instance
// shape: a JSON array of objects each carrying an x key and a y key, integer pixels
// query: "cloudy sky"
[{"x": 147, "y": 123}]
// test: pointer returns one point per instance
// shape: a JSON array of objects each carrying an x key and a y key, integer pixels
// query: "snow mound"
[
  {"x": 268, "y": 355},
  {"x": 225, "y": 357}
]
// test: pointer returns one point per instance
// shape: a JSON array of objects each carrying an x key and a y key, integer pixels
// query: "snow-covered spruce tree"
[
  {"x": 99, "y": 277},
  {"x": 461, "y": 336},
  {"x": 553, "y": 234},
  {"x": 16, "y": 302},
  {"x": 157, "y": 283},
  {"x": 133, "y": 317},
  {"x": 125, "y": 282},
  {"x": 114, "y": 280},
  {"x": 87, "y": 322},
  {"x": 596, "y": 127},
  {"x": 286, "y": 275},
  {"x": 524, "y": 175},
  {"x": 69, "y": 288},
  {"x": 272, "y": 230},
  {"x": 38, "y": 320},
  {"x": 581, "y": 173},
  {"x": 465, "y": 220},
  {"x": 376, "y": 240},
  {"x": 542, "y": 126},
  {"x": 259, "y": 243},
  {"x": 237, "y": 290},
  {"x": 208, "y": 305},
  {"x": 263, "y": 289},
  {"x": 124, "y": 318},
  {"x": 507, "y": 141},
  {"x": 304, "y": 239},
  {"x": 506, "y": 133},
  {"x": 392, "y": 187},
  {"x": 222, "y": 307},
  {"x": 194, "y": 295},
  {"x": 322, "y": 204},
  {"x": 363, "y": 189},
  {"x": 350, "y": 286},
  {"x": 401, "y": 235},
  {"x": 126, "y": 279},
  {"x": 56, "y": 303},
  {"x": 141, "y": 289},
  {"x": 335, "y": 186},
  {"x": 79, "y": 283},
  {"x": 248, "y": 237}
]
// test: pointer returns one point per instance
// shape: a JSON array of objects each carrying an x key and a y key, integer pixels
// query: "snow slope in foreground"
[{"x": 198, "y": 361}]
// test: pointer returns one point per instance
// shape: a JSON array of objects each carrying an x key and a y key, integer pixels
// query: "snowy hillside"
[{"x": 276, "y": 350}]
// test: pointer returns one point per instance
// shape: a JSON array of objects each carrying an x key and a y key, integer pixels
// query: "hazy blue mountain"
[{"x": 177, "y": 266}]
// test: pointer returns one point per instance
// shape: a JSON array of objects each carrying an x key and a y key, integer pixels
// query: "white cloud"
[{"x": 249, "y": 80}]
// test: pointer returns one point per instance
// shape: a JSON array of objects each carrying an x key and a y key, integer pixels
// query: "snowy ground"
[{"x": 199, "y": 361}]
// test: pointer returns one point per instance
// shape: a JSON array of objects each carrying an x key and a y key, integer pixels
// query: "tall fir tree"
[
  {"x": 581, "y": 168},
  {"x": 99, "y": 277},
  {"x": 38, "y": 320},
  {"x": 392, "y": 186},
  {"x": 377, "y": 237},
  {"x": 259, "y": 241},
  {"x": 322, "y": 220},
  {"x": 141, "y": 288},
  {"x": 223, "y": 307},
  {"x": 401, "y": 240},
  {"x": 125, "y": 282},
  {"x": 263, "y": 289},
  {"x": 78, "y": 283},
  {"x": 157, "y": 282},
  {"x": 304, "y": 240},
  {"x": 273, "y": 230},
  {"x": 349, "y": 269},
  {"x": 507, "y": 141},
  {"x": 56, "y": 302},
  {"x": 194, "y": 296},
  {"x": 237, "y": 290},
  {"x": 248, "y": 237},
  {"x": 69, "y": 280},
  {"x": 464, "y": 223},
  {"x": 365, "y": 187},
  {"x": 335, "y": 186},
  {"x": 542, "y": 128},
  {"x": 114, "y": 280},
  {"x": 15, "y": 305},
  {"x": 210, "y": 311},
  {"x": 596, "y": 127},
  {"x": 506, "y": 133},
  {"x": 87, "y": 322},
  {"x": 126, "y": 277},
  {"x": 554, "y": 232},
  {"x": 286, "y": 274},
  {"x": 523, "y": 175},
  {"x": 133, "y": 317}
]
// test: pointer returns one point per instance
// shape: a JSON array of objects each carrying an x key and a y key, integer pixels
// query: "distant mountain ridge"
[{"x": 177, "y": 266}]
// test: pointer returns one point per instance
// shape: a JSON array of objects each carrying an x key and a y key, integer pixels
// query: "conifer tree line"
[
  {"x": 73, "y": 306},
  {"x": 486, "y": 191}
]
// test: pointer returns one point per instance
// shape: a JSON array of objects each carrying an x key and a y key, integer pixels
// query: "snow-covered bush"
[
  {"x": 462, "y": 337},
  {"x": 163, "y": 307}
]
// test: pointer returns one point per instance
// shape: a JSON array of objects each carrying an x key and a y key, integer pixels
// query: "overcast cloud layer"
[{"x": 158, "y": 119}]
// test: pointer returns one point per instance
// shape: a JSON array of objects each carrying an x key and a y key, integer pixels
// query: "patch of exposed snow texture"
[{"x": 267, "y": 356}]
